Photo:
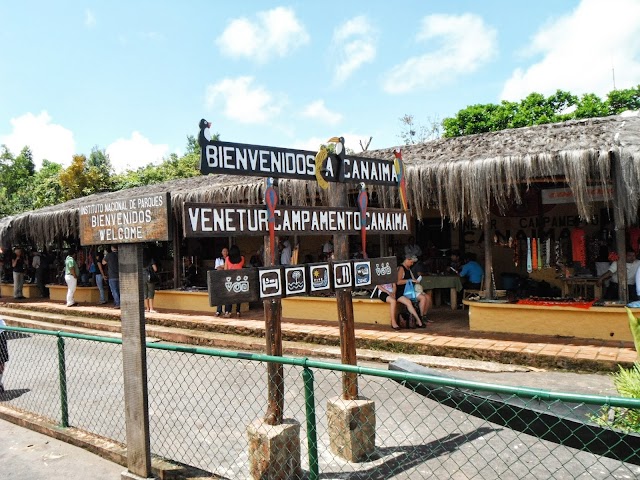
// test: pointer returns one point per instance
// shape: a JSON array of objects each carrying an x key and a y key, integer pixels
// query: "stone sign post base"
[
  {"x": 352, "y": 428},
  {"x": 274, "y": 450}
]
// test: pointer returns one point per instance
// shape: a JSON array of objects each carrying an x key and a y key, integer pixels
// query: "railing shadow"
[
  {"x": 408, "y": 457},
  {"x": 9, "y": 395}
]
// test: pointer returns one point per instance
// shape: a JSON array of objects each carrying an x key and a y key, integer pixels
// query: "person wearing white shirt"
[
  {"x": 285, "y": 255},
  {"x": 633, "y": 266}
]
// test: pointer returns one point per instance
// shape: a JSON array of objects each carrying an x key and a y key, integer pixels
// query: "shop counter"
[
  {"x": 365, "y": 310},
  {"x": 29, "y": 290},
  {"x": 188, "y": 300},
  {"x": 82, "y": 295},
  {"x": 602, "y": 323}
]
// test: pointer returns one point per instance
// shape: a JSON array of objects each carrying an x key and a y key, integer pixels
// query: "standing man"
[
  {"x": 285, "y": 255},
  {"x": 71, "y": 273},
  {"x": 100, "y": 277},
  {"x": 18, "y": 273},
  {"x": 633, "y": 265},
  {"x": 113, "y": 274},
  {"x": 219, "y": 265}
]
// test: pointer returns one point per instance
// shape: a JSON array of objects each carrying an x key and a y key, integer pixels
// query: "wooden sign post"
[
  {"x": 129, "y": 222},
  {"x": 338, "y": 198},
  {"x": 355, "y": 438}
]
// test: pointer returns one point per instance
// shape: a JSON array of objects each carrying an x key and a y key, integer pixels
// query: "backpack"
[{"x": 152, "y": 276}]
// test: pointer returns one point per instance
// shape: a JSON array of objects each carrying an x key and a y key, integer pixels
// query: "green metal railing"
[{"x": 317, "y": 453}]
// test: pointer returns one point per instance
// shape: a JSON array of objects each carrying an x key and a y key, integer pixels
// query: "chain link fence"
[{"x": 201, "y": 402}]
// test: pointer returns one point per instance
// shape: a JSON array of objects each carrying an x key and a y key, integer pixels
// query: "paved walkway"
[
  {"x": 28, "y": 455},
  {"x": 448, "y": 337}
]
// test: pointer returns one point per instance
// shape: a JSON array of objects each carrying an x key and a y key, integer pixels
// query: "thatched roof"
[{"x": 457, "y": 176}]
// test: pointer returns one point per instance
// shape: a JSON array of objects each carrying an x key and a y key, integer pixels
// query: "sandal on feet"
[{"x": 397, "y": 327}]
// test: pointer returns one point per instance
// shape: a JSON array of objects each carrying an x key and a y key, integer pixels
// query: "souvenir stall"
[{"x": 540, "y": 205}]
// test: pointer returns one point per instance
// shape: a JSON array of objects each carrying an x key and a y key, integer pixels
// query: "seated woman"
[
  {"x": 404, "y": 277},
  {"x": 387, "y": 293}
]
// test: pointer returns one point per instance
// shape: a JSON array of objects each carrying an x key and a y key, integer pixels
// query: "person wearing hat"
[{"x": 404, "y": 277}]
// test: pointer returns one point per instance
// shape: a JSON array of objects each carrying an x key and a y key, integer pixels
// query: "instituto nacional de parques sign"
[{"x": 136, "y": 219}]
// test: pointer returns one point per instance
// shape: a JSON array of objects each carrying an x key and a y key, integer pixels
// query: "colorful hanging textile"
[
  {"x": 579, "y": 246},
  {"x": 534, "y": 254},
  {"x": 529, "y": 266}
]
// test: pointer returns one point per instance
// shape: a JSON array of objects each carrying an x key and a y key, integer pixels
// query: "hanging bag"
[{"x": 410, "y": 291}]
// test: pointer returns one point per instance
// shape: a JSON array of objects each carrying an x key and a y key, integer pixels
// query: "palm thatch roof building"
[{"x": 459, "y": 177}]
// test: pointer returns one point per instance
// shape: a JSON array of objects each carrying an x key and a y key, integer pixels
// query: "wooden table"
[
  {"x": 581, "y": 287},
  {"x": 434, "y": 282}
]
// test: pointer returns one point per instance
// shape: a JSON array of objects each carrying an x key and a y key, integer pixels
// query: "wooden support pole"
[
  {"x": 620, "y": 227},
  {"x": 338, "y": 198},
  {"x": 273, "y": 340},
  {"x": 134, "y": 360},
  {"x": 488, "y": 256},
  {"x": 177, "y": 252}
]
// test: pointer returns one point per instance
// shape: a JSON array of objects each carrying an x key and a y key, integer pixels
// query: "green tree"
[
  {"x": 47, "y": 189},
  {"x": 99, "y": 168},
  {"x": 16, "y": 179},
  {"x": 590, "y": 106},
  {"x": 536, "y": 109},
  {"x": 619, "y": 101}
]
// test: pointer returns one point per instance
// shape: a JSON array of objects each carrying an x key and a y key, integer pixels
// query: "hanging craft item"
[
  {"x": 402, "y": 181},
  {"x": 539, "y": 254},
  {"x": 529, "y": 265},
  {"x": 534, "y": 254},
  {"x": 516, "y": 252},
  {"x": 271, "y": 200},
  {"x": 363, "y": 202},
  {"x": 547, "y": 252},
  {"x": 579, "y": 246}
]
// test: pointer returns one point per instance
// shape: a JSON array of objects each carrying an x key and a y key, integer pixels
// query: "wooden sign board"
[
  {"x": 209, "y": 220},
  {"x": 295, "y": 280},
  {"x": 342, "y": 274},
  {"x": 384, "y": 270},
  {"x": 319, "y": 277},
  {"x": 270, "y": 280},
  {"x": 262, "y": 161},
  {"x": 143, "y": 218},
  {"x": 361, "y": 273},
  {"x": 232, "y": 286}
]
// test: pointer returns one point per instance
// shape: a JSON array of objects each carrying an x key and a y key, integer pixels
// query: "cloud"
[
  {"x": 579, "y": 51},
  {"x": 275, "y": 33},
  {"x": 317, "y": 110},
  {"x": 241, "y": 101},
  {"x": 354, "y": 44},
  {"x": 137, "y": 151},
  {"x": 89, "y": 19},
  {"x": 45, "y": 139},
  {"x": 466, "y": 44}
]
